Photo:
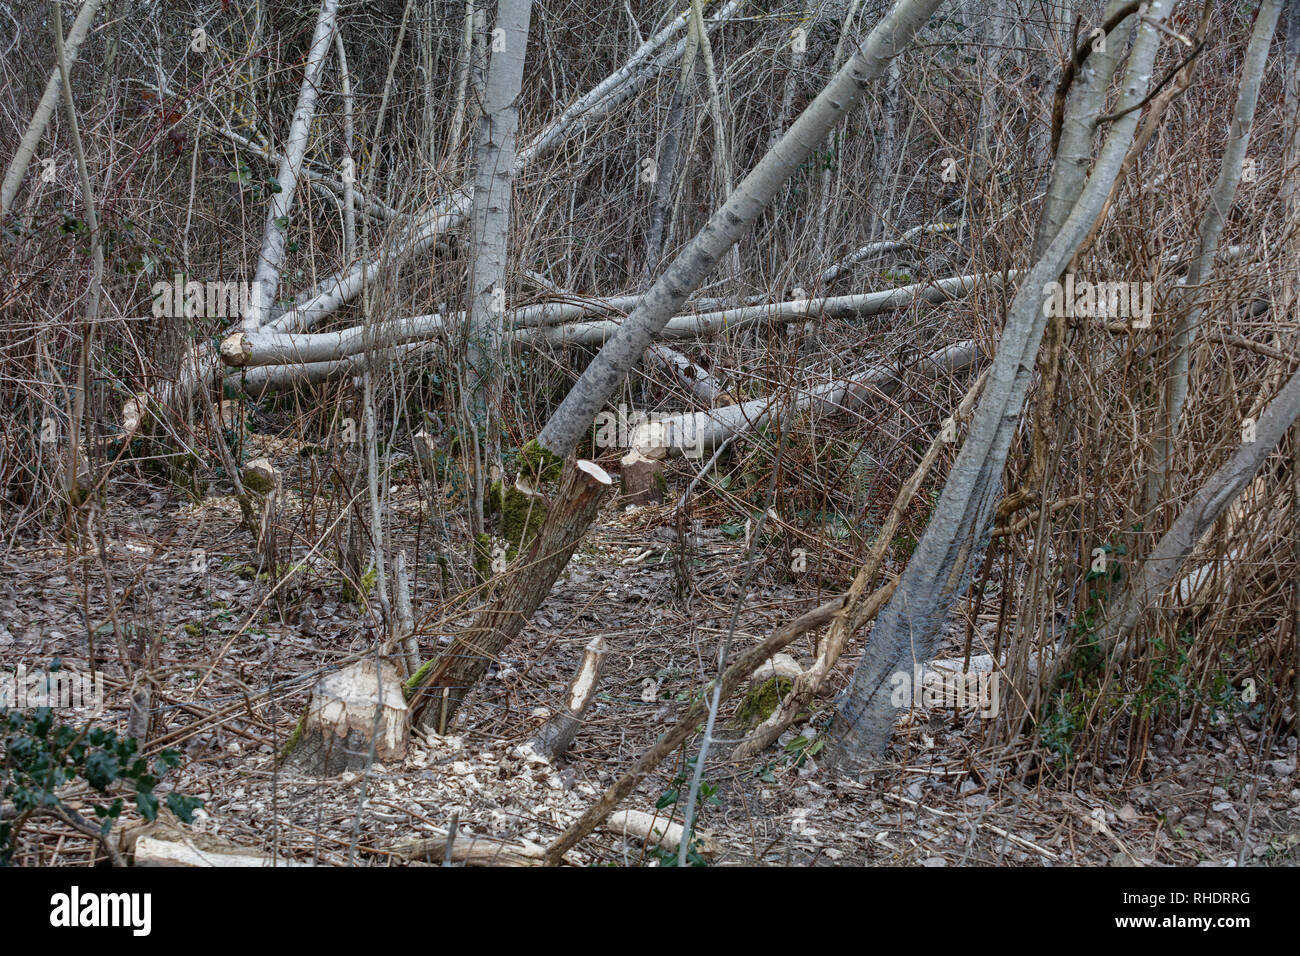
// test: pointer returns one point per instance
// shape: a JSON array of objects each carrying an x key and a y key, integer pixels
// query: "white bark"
[
  {"x": 556, "y": 322},
  {"x": 1216, "y": 214},
  {"x": 565, "y": 428},
  {"x": 449, "y": 213},
  {"x": 908, "y": 628},
  {"x": 832, "y": 273},
  {"x": 710, "y": 323},
  {"x": 484, "y": 339},
  {"x": 462, "y": 79},
  {"x": 702, "y": 386},
  {"x": 45, "y": 108},
  {"x": 266, "y": 278},
  {"x": 698, "y": 432},
  {"x": 667, "y": 166},
  {"x": 556, "y": 735},
  {"x": 656, "y": 829},
  {"x": 1074, "y": 150}
]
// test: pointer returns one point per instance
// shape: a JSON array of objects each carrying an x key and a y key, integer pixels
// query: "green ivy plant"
[{"x": 41, "y": 755}]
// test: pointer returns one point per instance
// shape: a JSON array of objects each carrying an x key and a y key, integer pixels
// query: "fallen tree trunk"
[
  {"x": 269, "y": 347},
  {"x": 468, "y": 850},
  {"x": 274, "y": 361},
  {"x": 423, "y": 232},
  {"x": 653, "y": 830},
  {"x": 699, "y": 432},
  {"x": 684, "y": 373},
  {"x": 904, "y": 241},
  {"x": 795, "y": 310}
]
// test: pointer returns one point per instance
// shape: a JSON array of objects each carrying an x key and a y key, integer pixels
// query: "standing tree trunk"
[
  {"x": 439, "y": 687},
  {"x": 666, "y": 172},
  {"x": 493, "y": 189},
  {"x": 45, "y": 108},
  {"x": 1207, "y": 242},
  {"x": 266, "y": 278},
  {"x": 573, "y": 510},
  {"x": 1219, "y": 491},
  {"x": 908, "y": 629}
]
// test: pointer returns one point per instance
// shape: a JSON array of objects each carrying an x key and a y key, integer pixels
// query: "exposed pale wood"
[{"x": 352, "y": 713}]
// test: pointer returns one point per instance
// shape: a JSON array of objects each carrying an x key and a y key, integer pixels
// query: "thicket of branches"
[{"x": 957, "y": 162}]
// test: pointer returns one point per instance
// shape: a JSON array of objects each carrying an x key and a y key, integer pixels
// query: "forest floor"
[{"x": 235, "y": 667}]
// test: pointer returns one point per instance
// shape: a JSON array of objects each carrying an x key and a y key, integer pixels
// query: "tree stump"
[
  {"x": 338, "y": 730},
  {"x": 643, "y": 479}
]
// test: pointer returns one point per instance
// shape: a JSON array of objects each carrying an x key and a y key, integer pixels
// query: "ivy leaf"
[
  {"x": 182, "y": 806},
  {"x": 102, "y": 769},
  {"x": 148, "y": 804}
]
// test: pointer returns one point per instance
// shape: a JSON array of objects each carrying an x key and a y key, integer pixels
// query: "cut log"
[
  {"x": 471, "y": 849},
  {"x": 557, "y": 734},
  {"x": 699, "y": 432},
  {"x": 167, "y": 843},
  {"x": 654, "y": 830},
  {"x": 795, "y": 310},
  {"x": 150, "y": 851},
  {"x": 339, "y": 729}
]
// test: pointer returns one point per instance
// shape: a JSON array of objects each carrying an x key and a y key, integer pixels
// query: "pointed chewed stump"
[
  {"x": 556, "y": 735},
  {"x": 339, "y": 729}
]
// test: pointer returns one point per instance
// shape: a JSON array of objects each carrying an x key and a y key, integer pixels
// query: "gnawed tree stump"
[
  {"x": 426, "y": 453},
  {"x": 264, "y": 481},
  {"x": 338, "y": 730},
  {"x": 437, "y": 690},
  {"x": 556, "y": 735},
  {"x": 261, "y": 477},
  {"x": 643, "y": 478},
  {"x": 781, "y": 665}
]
